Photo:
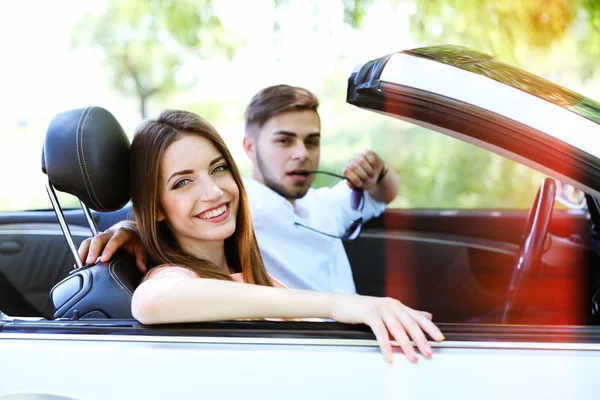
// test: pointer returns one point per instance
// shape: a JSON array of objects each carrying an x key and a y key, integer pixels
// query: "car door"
[
  {"x": 460, "y": 242},
  {"x": 122, "y": 359},
  {"x": 34, "y": 255},
  {"x": 465, "y": 253}
]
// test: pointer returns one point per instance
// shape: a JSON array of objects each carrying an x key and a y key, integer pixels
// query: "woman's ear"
[{"x": 160, "y": 215}]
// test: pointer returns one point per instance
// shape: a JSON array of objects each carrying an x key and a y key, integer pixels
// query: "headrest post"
[
  {"x": 90, "y": 218},
  {"x": 63, "y": 222}
]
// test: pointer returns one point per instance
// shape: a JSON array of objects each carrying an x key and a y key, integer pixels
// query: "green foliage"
[
  {"x": 436, "y": 171},
  {"x": 509, "y": 30},
  {"x": 145, "y": 44},
  {"x": 589, "y": 44}
]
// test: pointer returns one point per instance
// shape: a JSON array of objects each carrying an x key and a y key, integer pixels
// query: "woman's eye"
[
  {"x": 181, "y": 183},
  {"x": 220, "y": 168}
]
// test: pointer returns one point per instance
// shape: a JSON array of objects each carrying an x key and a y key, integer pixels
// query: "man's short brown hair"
[{"x": 275, "y": 100}]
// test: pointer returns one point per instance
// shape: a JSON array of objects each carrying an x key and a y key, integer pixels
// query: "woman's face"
[{"x": 198, "y": 194}]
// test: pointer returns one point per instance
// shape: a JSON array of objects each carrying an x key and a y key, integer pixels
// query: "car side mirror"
[{"x": 569, "y": 196}]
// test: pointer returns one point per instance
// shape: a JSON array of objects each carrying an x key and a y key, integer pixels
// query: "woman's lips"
[{"x": 216, "y": 218}]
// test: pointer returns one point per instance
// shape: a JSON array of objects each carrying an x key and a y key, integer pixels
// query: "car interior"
[{"x": 510, "y": 267}]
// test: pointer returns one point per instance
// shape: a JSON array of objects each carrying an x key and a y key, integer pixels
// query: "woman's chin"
[{"x": 221, "y": 232}]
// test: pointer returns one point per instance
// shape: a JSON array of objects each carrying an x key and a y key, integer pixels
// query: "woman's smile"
[{"x": 215, "y": 214}]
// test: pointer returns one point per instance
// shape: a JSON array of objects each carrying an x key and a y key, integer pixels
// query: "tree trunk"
[{"x": 143, "y": 100}]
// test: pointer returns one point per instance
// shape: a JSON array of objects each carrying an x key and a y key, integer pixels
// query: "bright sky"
[{"x": 42, "y": 75}]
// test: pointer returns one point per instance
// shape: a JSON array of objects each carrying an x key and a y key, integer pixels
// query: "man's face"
[{"x": 286, "y": 147}]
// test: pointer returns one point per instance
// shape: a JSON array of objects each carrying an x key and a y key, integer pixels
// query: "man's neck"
[{"x": 256, "y": 175}]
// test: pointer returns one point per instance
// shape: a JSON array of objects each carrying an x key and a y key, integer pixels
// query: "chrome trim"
[
  {"x": 295, "y": 341},
  {"x": 90, "y": 219},
  {"x": 48, "y": 232},
  {"x": 63, "y": 223},
  {"x": 469, "y": 87},
  {"x": 416, "y": 238}
]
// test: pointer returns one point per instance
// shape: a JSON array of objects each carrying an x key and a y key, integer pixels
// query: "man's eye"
[
  {"x": 283, "y": 141},
  {"x": 312, "y": 143},
  {"x": 181, "y": 183},
  {"x": 220, "y": 168}
]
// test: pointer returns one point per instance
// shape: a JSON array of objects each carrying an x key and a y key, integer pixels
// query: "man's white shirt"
[{"x": 296, "y": 256}]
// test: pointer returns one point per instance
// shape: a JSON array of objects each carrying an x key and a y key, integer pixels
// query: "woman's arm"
[{"x": 170, "y": 297}]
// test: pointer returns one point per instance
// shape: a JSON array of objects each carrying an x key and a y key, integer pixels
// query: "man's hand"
[
  {"x": 364, "y": 170},
  {"x": 123, "y": 234},
  {"x": 367, "y": 170}
]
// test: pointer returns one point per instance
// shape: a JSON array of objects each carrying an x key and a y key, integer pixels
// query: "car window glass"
[
  {"x": 23, "y": 182},
  {"x": 436, "y": 171}
]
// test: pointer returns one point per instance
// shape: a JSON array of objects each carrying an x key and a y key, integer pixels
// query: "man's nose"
[
  {"x": 210, "y": 191},
  {"x": 300, "y": 152}
]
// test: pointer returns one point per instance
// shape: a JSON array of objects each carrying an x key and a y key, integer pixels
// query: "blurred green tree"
[
  {"x": 509, "y": 30},
  {"x": 144, "y": 44}
]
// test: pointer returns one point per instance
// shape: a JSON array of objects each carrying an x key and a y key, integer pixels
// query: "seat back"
[{"x": 86, "y": 154}]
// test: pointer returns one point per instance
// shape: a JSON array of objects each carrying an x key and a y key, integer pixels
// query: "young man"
[{"x": 298, "y": 229}]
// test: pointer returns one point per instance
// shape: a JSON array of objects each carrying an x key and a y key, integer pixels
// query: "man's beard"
[{"x": 275, "y": 185}]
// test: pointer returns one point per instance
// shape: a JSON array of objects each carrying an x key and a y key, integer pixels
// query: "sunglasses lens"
[
  {"x": 353, "y": 231},
  {"x": 357, "y": 199}
]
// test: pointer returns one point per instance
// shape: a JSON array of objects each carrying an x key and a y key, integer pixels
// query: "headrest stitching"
[
  {"x": 95, "y": 199},
  {"x": 87, "y": 110}
]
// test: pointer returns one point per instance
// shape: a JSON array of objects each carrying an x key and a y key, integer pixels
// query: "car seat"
[{"x": 86, "y": 154}]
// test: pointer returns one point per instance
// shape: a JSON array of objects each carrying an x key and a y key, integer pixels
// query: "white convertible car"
[{"x": 517, "y": 294}]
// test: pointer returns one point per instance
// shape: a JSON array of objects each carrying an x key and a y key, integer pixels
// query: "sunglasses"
[{"x": 357, "y": 202}]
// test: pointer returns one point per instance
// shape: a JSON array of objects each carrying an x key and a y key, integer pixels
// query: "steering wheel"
[{"x": 532, "y": 242}]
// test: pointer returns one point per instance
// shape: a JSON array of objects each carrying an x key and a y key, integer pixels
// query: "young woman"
[{"x": 193, "y": 219}]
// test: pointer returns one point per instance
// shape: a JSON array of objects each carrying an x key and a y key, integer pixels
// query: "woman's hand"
[
  {"x": 123, "y": 234},
  {"x": 388, "y": 316}
]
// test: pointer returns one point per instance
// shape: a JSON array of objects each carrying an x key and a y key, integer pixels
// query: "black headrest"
[{"x": 86, "y": 154}]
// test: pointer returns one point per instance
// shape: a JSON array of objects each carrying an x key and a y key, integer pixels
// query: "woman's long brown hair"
[{"x": 149, "y": 144}]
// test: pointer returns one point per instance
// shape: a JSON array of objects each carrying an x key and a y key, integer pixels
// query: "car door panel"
[
  {"x": 37, "y": 259},
  {"x": 475, "y": 361},
  {"x": 34, "y": 255},
  {"x": 424, "y": 257}
]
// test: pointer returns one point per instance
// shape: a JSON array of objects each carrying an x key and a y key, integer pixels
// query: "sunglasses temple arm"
[
  {"x": 318, "y": 231},
  {"x": 326, "y": 173}
]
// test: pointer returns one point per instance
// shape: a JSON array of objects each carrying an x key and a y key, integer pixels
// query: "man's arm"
[
  {"x": 379, "y": 179},
  {"x": 123, "y": 234}
]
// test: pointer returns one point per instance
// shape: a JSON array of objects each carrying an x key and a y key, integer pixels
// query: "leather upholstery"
[
  {"x": 103, "y": 290},
  {"x": 86, "y": 154}
]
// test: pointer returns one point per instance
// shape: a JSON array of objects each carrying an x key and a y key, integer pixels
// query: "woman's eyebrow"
[
  {"x": 216, "y": 160},
  {"x": 191, "y": 171},
  {"x": 182, "y": 172}
]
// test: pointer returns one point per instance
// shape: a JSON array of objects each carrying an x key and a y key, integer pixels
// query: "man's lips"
[{"x": 298, "y": 175}]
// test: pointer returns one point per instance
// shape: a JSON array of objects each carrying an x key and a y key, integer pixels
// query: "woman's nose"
[{"x": 210, "y": 191}]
